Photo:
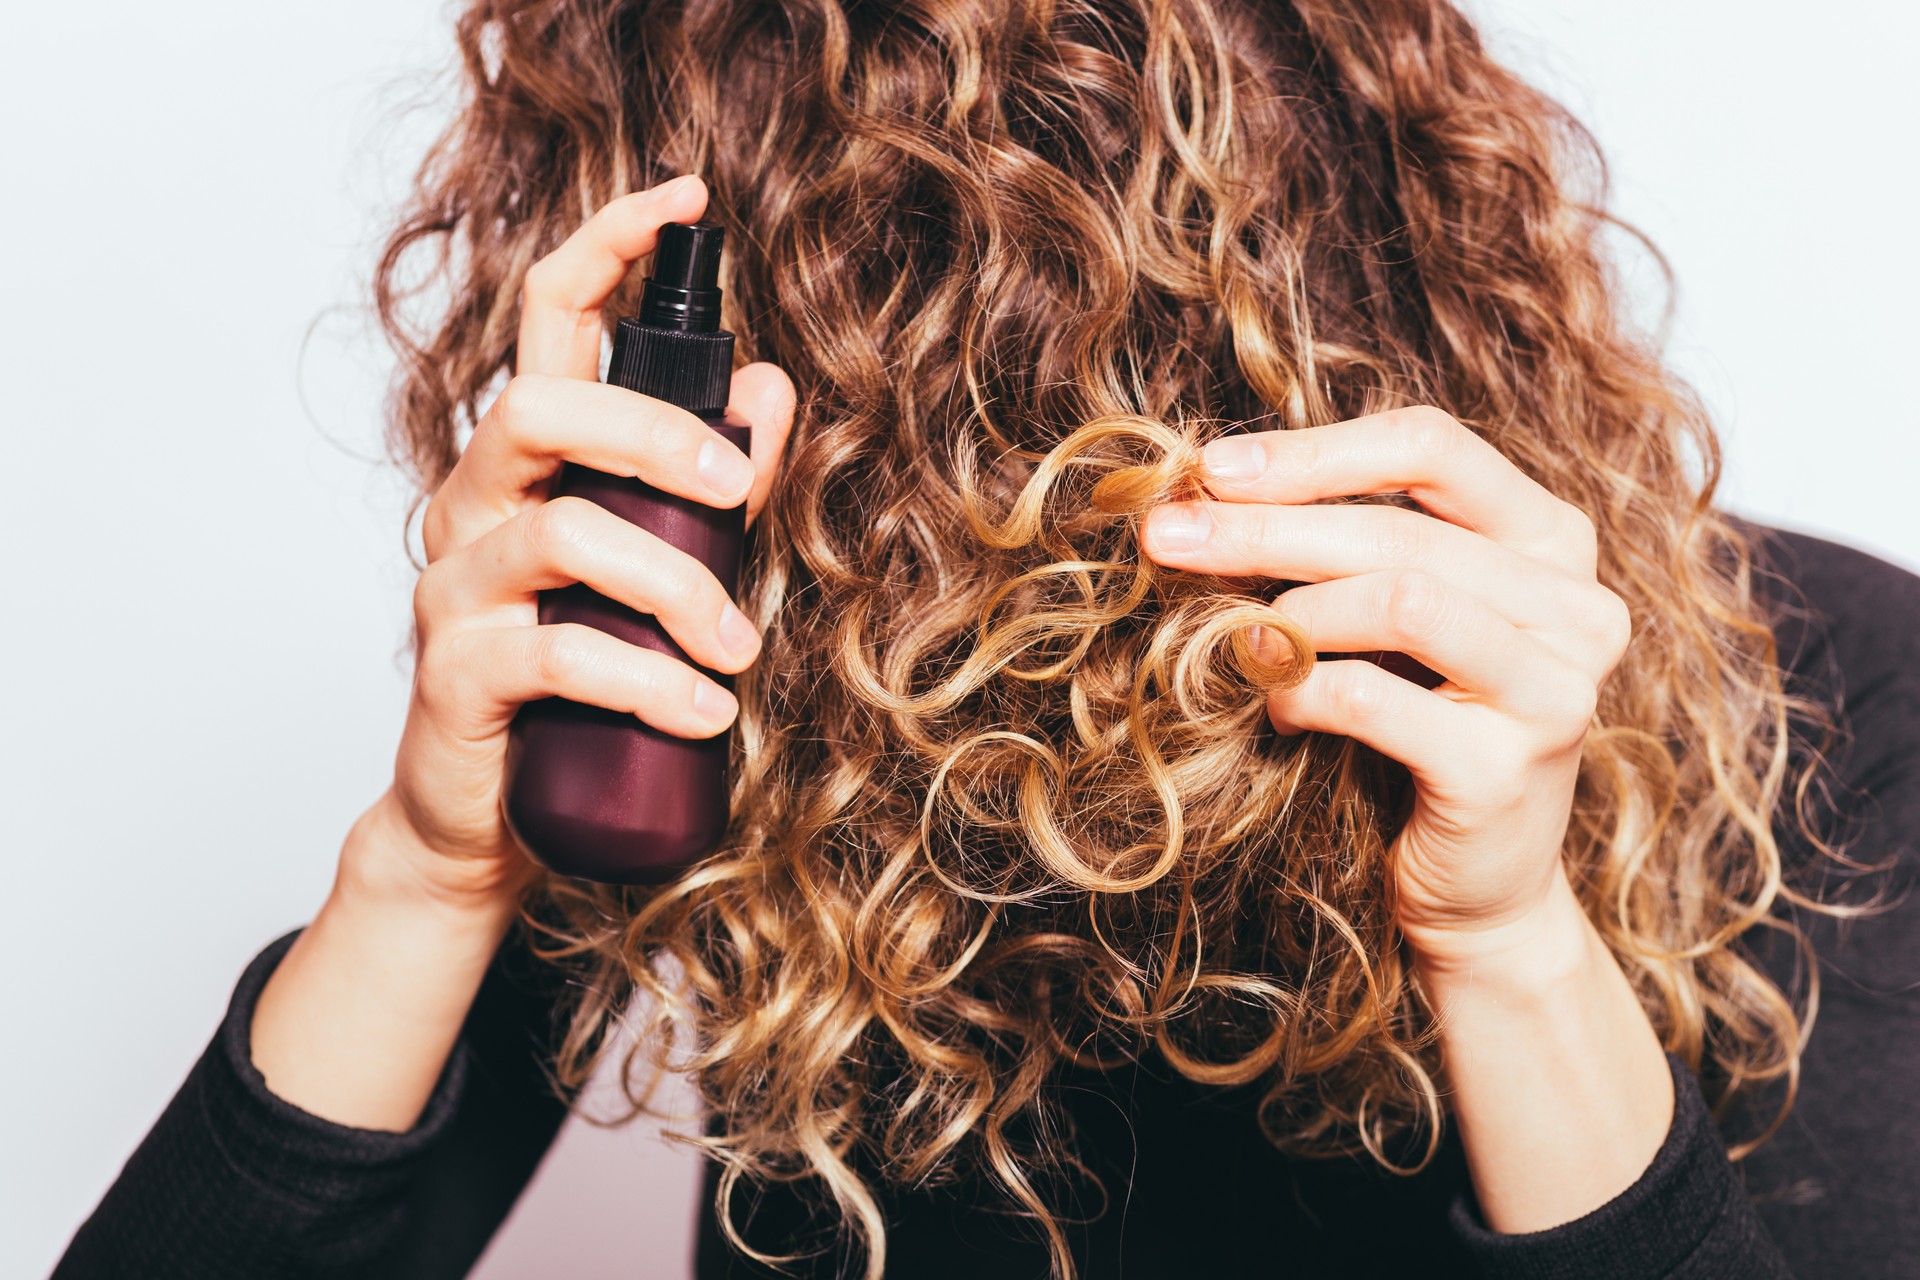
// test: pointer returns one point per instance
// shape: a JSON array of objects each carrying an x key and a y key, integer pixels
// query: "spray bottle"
[{"x": 597, "y": 793}]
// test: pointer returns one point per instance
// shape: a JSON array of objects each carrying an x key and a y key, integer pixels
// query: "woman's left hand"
[
  {"x": 1555, "y": 1075},
  {"x": 1492, "y": 586}
]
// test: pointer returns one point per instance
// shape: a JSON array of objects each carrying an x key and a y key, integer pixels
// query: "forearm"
[
  {"x": 1558, "y": 1083},
  {"x": 359, "y": 1018}
]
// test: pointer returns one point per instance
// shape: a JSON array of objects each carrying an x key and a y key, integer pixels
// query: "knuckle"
[
  {"x": 1433, "y": 434},
  {"x": 1504, "y": 775},
  {"x": 1255, "y": 528},
  {"x": 1307, "y": 455},
  {"x": 517, "y": 404},
  {"x": 1583, "y": 701},
  {"x": 1578, "y": 530},
  {"x": 1400, "y": 536},
  {"x": 664, "y": 686},
  {"x": 436, "y": 673},
  {"x": 433, "y": 524},
  {"x": 558, "y": 655},
  {"x": 1416, "y": 605},
  {"x": 536, "y": 283},
  {"x": 429, "y": 597},
  {"x": 688, "y": 583},
  {"x": 1616, "y": 623},
  {"x": 1571, "y": 704},
  {"x": 1352, "y": 691},
  {"x": 559, "y": 529}
]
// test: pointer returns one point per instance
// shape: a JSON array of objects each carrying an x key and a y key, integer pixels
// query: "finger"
[
  {"x": 572, "y": 540},
  {"x": 499, "y": 668},
  {"x": 1422, "y": 451},
  {"x": 1418, "y": 727},
  {"x": 1486, "y": 657},
  {"x": 763, "y": 394},
  {"x": 538, "y": 421},
  {"x": 560, "y": 323},
  {"x": 1324, "y": 541}
]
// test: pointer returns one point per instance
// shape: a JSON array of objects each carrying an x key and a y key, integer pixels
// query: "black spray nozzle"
[
  {"x": 683, "y": 291},
  {"x": 675, "y": 349}
]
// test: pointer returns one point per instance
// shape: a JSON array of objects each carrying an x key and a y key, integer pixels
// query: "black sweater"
[{"x": 233, "y": 1182}]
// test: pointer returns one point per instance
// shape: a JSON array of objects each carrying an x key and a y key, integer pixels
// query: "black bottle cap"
[
  {"x": 675, "y": 349},
  {"x": 684, "y": 290}
]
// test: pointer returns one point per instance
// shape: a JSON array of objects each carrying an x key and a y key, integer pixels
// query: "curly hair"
[{"x": 1005, "y": 799}]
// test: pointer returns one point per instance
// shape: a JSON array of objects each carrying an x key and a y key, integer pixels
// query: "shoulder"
[
  {"x": 1829, "y": 1184},
  {"x": 1865, "y": 607},
  {"x": 1847, "y": 624},
  {"x": 1848, "y": 627}
]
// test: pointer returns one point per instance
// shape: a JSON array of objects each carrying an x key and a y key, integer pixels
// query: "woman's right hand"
[{"x": 494, "y": 539}]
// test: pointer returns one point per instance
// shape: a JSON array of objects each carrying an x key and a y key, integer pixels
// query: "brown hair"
[{"x": 1004, "y": 795}]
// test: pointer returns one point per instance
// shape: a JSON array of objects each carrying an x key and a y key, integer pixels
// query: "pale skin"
[
  {"x": 1557, "y": 1080},
  {"x": 359, "y": 1017}
]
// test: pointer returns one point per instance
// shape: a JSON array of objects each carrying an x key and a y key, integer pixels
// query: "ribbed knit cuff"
[
  {"x": 295, "y": 1152},
  {"x": 1686, "y": 1218}
]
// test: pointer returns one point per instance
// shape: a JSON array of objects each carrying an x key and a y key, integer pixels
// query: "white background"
[{"x": 206, "y": 593}]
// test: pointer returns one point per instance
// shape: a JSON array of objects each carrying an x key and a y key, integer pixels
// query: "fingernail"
[
  {"x": 725, "y": 469},
  {"x": 711, "y": 701},
  {"x": 1260, "y": 640},
  {"x": 736, "y": 632},
  {"x": 1235, "y": 458},
  {"x": 1178, "y": 528}
]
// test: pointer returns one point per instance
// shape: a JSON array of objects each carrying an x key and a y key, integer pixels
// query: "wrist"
[
  {"x": 386, "y": 867},
  {"x": 1538, "y": 955},
  {"x": 356, "y": 1022},
  {"x": 1555, "y": 1075}
]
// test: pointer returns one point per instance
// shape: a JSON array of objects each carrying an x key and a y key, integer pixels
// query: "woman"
[{"x": 1094, "y": 904}]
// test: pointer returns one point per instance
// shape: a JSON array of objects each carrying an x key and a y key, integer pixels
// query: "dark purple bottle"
[{"x": 597, "y": 793}]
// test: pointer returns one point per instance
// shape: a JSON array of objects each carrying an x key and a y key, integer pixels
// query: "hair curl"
[{"x": 1004, "y": 796}]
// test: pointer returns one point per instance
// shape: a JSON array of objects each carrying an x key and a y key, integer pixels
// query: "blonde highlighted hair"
[{"x": 1005, "y": 795}]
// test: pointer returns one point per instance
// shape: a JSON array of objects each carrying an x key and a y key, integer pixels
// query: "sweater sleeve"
[
  {"x": 233, "y": 1181},
  {"x": 1687, "y": 1217},
  {"x": 1831, "y": 1192}
]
